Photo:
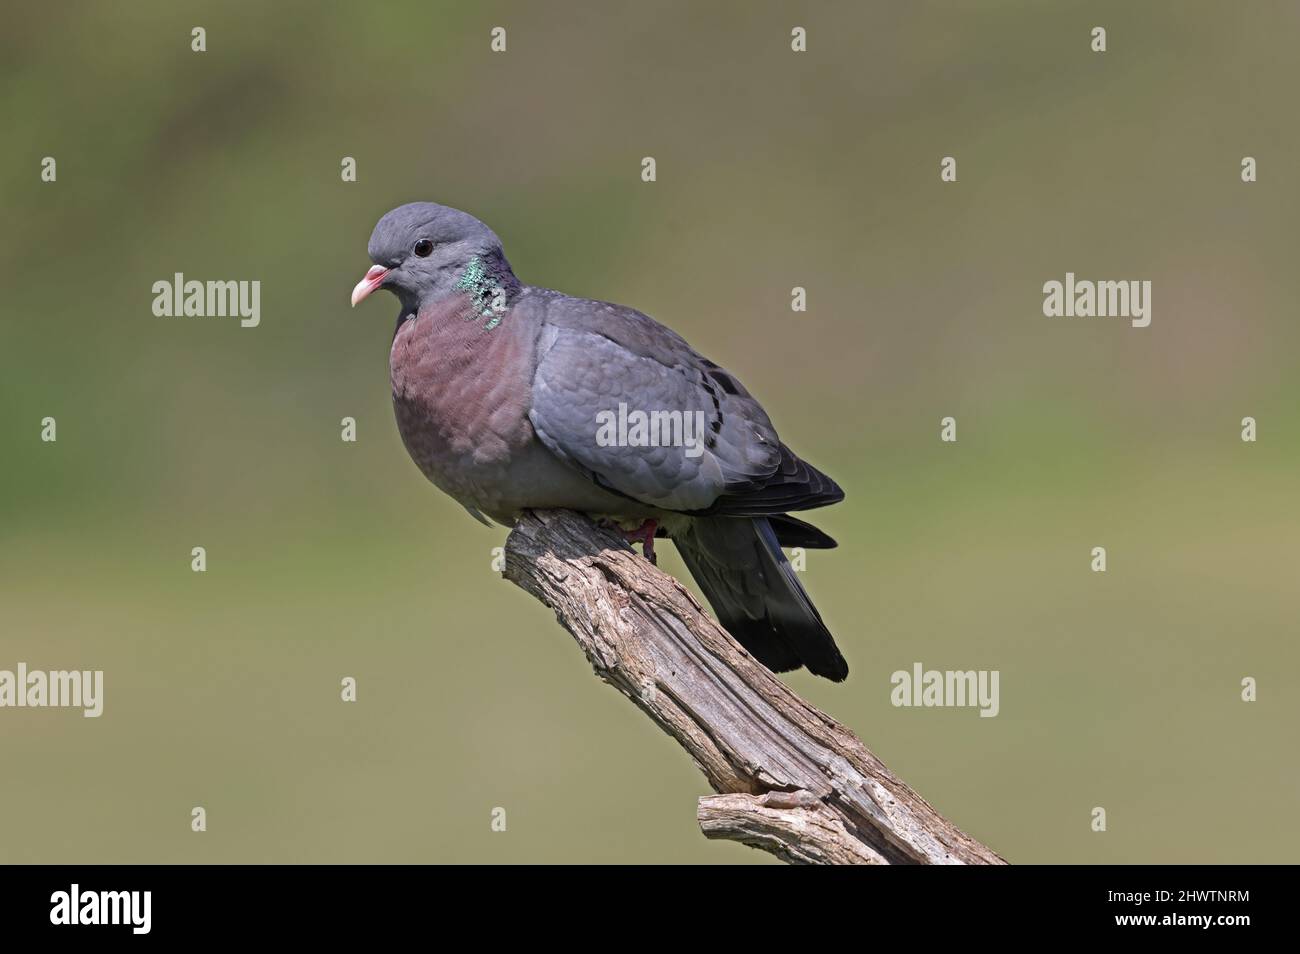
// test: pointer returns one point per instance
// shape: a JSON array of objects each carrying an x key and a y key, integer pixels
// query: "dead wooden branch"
[{"x": 792, "y": 780}]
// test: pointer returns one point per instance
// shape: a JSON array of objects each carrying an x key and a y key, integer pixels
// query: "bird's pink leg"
[{"x": 644, "y": 535}]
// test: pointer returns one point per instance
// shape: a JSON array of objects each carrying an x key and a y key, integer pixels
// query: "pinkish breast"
[{"x": 461, "y": 395}]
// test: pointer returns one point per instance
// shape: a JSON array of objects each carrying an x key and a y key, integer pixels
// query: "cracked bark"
[{"x": 791, "y": 780}]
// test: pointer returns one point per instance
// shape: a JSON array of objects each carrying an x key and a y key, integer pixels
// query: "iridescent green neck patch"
[{"x": 487, "y": 298}]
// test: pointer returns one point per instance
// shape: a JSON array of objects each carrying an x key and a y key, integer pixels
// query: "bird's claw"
[{"x": 644, "y": 534}]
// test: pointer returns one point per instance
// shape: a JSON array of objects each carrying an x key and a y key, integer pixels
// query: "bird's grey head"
[{"x": 422, "y": 252}]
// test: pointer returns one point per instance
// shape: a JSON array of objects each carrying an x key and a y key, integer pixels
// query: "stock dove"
[{"x": 511, "y": 397}]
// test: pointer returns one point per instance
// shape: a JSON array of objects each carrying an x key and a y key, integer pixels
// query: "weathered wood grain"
[{"x": 792, "y": 780}]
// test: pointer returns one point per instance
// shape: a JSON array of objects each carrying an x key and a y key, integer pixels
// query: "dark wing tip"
[{"x": 794, "y": 485}]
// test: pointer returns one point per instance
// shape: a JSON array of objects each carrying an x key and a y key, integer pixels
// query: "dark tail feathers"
[{"x": 738, "y": 563}]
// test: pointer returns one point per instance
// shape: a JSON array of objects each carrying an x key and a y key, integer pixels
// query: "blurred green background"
[{"x": 775, "y": 169}]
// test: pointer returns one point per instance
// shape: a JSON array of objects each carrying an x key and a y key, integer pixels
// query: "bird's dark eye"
[{"x": 423, "y": 248}]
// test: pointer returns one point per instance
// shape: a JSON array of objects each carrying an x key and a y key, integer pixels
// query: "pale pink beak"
[{"x": 374, "y": 278}]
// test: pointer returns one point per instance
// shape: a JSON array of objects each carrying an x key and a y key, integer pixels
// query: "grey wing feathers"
[{"x": 594, "y": 356}]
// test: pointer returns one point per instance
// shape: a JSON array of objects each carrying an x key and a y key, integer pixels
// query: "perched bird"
[{"x": 511, "y": 397}]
